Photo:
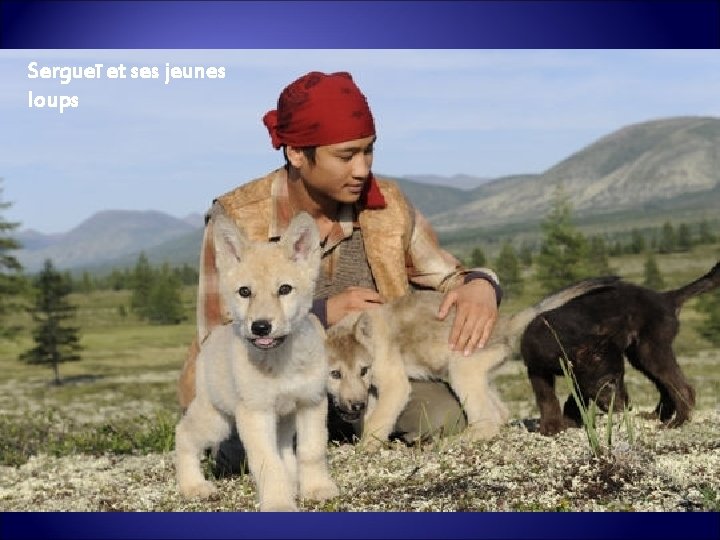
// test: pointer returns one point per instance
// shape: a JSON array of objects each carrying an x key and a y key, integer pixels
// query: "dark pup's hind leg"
[
  {"x": 657, "y": 361},
  {"x": 571, "y": 413},
  {"x": 543, "y": 385}
]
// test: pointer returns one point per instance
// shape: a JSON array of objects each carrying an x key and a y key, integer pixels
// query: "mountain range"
[{"x": 663, "y": 165}]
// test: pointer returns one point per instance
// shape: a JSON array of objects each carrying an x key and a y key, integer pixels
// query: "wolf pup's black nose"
[
  {"x": 357, "y": 406},
  {"x": 261, "y": 327}
]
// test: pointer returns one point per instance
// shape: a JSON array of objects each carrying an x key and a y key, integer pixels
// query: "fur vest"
[{"x": 386, "y": 232}]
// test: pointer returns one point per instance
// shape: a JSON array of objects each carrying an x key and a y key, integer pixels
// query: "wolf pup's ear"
[
  {"x": 363, "y": 330},
  {"x": 230, "y": 241},
  {"x": 302, "y": 239}
]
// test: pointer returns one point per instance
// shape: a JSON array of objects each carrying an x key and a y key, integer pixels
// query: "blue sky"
[{"x": 141, "y": 144}]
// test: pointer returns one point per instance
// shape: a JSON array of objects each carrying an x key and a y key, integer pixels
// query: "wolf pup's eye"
[
  {"x": 364, "y": 370},
  {"x": 284, "y": 289},
  {"x": 245, "y": 292},
  {"x": 335, "y": 374}
]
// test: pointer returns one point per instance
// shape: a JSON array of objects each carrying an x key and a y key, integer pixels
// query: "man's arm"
[{"x": 475, "y": 293}]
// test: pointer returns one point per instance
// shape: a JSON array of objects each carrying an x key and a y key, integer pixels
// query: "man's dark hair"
[{"x": 309, "y": 152}]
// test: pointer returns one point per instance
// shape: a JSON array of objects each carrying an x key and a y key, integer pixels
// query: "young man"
[{"x": 376, "y": 246}]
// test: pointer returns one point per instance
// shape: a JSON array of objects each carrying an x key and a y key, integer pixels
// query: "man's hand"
[
  {"x": 475, "y": 315},
  {"x": 350, "y": 300}
]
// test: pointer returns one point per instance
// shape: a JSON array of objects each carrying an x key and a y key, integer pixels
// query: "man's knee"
[{"x": 432, "y": 410}]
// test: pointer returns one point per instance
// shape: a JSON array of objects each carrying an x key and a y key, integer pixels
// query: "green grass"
[
  {"x": 121, "y": 396},
  {"x": 24, "y": 436},
  {"x": 112, "y": 343}
]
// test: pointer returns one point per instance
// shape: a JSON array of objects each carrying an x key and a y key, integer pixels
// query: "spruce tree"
[
  {"x": 477, "y": 258},
  {"x": 637, "y": 242},
  {"x": 507, "y": 267},
  {"x": 86, "y": 284},
  {"x": 11, "y": 279},
  {"x": 684, "y": 238},
  {"x": 164, "y": 304},
  {"x": 563, "y": 251},
  {"x": 705, "y": 234},
  {"x": 525, "y": 255},
  {"x": 56, "y": 341},
  {"x": 653, "y": 277},
  {"x": 668, "y": 239},
  {"x": 597, "y": 261},
  {"x": 119, "y": 280},
  {"x": 710, "y": 327},
  {"x": 142, "y": 283}
]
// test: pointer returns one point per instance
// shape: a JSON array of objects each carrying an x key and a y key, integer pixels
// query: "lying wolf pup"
[
  {"x": 267, "y": 369},
  {"x": 402, "y": 340},
  {"x": 596, "y": 332}
]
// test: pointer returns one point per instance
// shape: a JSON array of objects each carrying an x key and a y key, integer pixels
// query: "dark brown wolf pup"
[{"x": 597, "y": 330}]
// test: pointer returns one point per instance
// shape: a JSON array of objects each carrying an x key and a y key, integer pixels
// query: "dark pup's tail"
[{"x": 706, "y": 283}]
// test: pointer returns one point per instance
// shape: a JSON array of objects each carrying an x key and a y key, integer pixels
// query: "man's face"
[{"x": 340, "y": 170}]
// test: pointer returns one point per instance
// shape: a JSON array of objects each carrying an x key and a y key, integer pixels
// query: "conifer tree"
[
  {"x": 562, "y": 256},
  {"x": 477, "y": 258},
  {"x": 86, "y": 284},
  {"x": 142, "y": 283},
  {"x": 11, "y": 279},
  {"x": 164, "y": 304},
  {"x": 637, "y": 242},
  {"x": 507, "y": 267},
  {"x": 597, "y": 261},
  {"x": 119, "y": 280},
  {"x": 187, "y": 274},
  {"x": 653, "y": 277},
  {"x": 668, "y": 239},
  {"x": 56, "y": 341},
  {"x": 710, "y": 327},
  {"x": 525, "y": 255},
  {"x": 684, "y": 238},
  {"x": 705, "y": 234}
]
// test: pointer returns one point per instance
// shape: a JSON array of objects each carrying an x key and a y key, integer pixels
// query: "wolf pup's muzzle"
[
  {"x": 263, "y": 328},
  {"x": 351, "y": 412}
]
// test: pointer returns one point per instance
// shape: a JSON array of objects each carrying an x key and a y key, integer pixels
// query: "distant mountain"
[
  {"x": 184, "y": 249},
  {"x": 32, "y": 240},
  {"x": 661, "y": 167},
  {"x": 460, "y": 181},
  {"x": 196, "y": 219},
  {"x": 640, "y": 164},
  {"x": 106, "y": 235},
  {"x": 430, "y": 198}
]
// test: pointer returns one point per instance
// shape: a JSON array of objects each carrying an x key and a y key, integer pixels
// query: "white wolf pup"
[
  {"x": 266, "y": 369},
  {"x": 403, "y": 340}
]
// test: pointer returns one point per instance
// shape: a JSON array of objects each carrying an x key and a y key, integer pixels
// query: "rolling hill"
[
  {"x": 104, "y": 236},
  {"x": 655, "y": 169},
  {"x": 648, "y": 163}
]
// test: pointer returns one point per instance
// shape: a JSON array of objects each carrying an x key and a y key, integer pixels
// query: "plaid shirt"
[{"x": 427, "y": 265}]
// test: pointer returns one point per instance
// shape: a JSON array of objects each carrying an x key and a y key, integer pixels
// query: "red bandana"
[{"x": 318, "y": 110}]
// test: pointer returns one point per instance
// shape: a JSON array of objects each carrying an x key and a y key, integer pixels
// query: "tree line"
[
  {"x": 564, "y": 256},
  {"x": 155, "y": 297}
]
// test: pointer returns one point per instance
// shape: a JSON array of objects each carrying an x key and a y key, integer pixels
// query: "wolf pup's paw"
[
  {"x": 481, "y": 432},
  {"x": 552, "y": 426},
  {"x": 320, "y": 490},
  {"x": 371, "y": 445},
  {"x": 278, "y": 506},
  {"x": 202, "y": 490}
]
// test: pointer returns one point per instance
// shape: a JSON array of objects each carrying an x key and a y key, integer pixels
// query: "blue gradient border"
[
  {"x": 364, "y": 25},
  {"x": 435, "y": 24},
  {"x": 642, "y": 526}
]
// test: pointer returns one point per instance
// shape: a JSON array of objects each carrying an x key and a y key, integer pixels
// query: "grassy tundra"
[{"x": 103, "y": 440}]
